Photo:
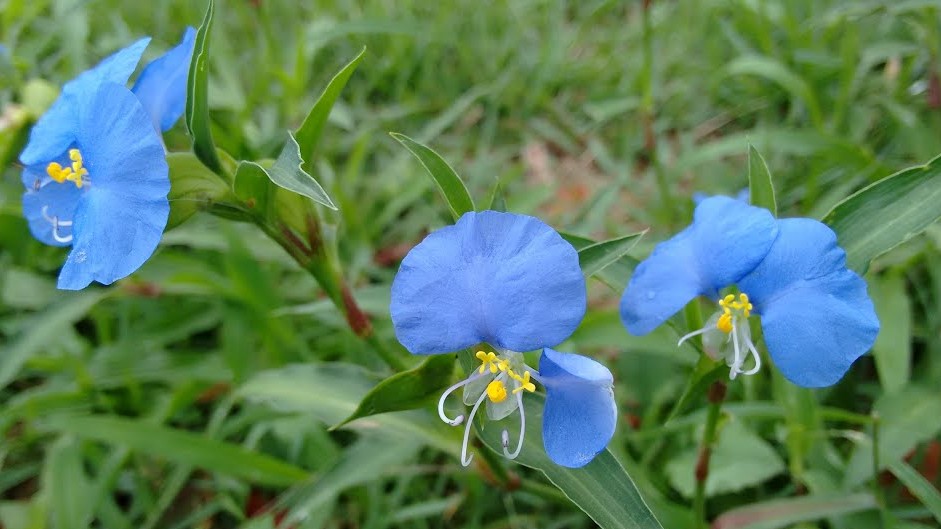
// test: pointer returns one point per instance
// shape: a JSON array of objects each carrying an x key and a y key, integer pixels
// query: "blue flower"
[
  {"x": 161, "y": 89},
  {"x": 512, "y": 282},
  {"x": 816, "y": 316},
  {"x": 95, "y": 174}
]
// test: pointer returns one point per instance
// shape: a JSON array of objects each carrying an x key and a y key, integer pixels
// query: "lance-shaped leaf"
[
  {"x": 197, "y": 97},
  {"x": 308, "y": 134},
  {"x": 760, "y": 183},
  {"x": 885, "y": 214},
  {"x": 452, "y": 187},
  {"x": 288, "y": 173}
]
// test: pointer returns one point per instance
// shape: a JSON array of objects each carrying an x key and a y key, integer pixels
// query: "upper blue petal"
[
  {"x": 726, "y": 240},
  {"x": 116, "y": 68},
  {"x": 120, "y": 219},
  {"x": 52, "y": 134},
  {"x": 580, "y": 413},
  {"x": 816, "y": 316},
  {"x": 505, "y": 279},
  {"x": 161, "y": 87},
  {"x": 56, "y": 128}
]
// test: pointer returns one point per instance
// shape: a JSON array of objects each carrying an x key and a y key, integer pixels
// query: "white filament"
[
  {"x": 55, "y": 226},
  {"x": 465, "y": 460},
  {"x": 460, "y": 418},
  {"x": 506, "y": 436}
]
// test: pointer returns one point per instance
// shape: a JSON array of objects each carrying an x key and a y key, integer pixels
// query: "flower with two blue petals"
[
  {"x": 509, "y": 281},
  {"x": 816, "y": 316},
  {"x": 95, "y": 174}
]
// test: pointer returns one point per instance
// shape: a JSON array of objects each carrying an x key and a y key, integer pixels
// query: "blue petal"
[
  {"x": 50, "y": 200},
  {"x": 52, "y": 134},
  {"x": 161, "y": 87},
  {"x": 116, "y": 68},
  {"x": 121, "y": 218},
  {"x": 816, "y": 316},
  {"x": 580, "y": 413},
  {"x": 725, "y": 241},
  {"x": 505, "y": 279},
  {"x": 55, "y": 130}
]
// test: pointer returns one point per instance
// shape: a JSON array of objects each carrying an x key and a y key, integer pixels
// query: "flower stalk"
[{"x": 715, "y": 395}]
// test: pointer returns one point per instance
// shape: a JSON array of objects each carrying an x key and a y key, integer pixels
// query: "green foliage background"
[{"x": 200, "y": 392}]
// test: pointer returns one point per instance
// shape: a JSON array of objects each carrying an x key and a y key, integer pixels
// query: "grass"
[{"x": 601, "y": 117}]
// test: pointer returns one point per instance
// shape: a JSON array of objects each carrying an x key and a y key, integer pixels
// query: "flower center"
[
  {"x": 729, "y": 326},
  {"x": 74, "y": 173},
  {"x": 500, "y": 372}
]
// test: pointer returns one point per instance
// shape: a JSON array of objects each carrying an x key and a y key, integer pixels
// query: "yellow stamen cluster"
[
  {"x": 729, "y": 304},
  {"x": 73, "y": 173},
  {"x": 496, "y": 390}
]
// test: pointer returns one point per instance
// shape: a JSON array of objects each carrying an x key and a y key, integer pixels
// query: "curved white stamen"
[
  {"x": 55, "y": 226},
  {"x": 757, "y": 357},
  {"x": 460, "y": 418},
  {"x": 534, "y": 375},
  {"x": 737, "y": 360},
  {"x": 704, "y": 330},
  {"x": 470, "y": 424},
  {"x": 506, "y": 436}
]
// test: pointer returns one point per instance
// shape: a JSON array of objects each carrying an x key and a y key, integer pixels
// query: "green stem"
[{"x": 716, "y": 396}]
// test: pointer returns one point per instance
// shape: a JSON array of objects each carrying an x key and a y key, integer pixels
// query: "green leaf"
[
  {"x": 197, "y": 97},
  {"x": 615, "y": 274},
  {"x": 777, "y": 514},
  {"x": 602, "y": 489},
  {"x": 45, "y": 329},
  {"x": 760, "y": 183},
  {"x": 920, "y": 487},
  {"x": 893, "y": 348},
  {"x": 596, "y": 257},
  {"x": 288, "y": 173},
  {"x": 308, "y": 134},
  {"x": 183, "y": 447},
  {"x": 907, "y": 417},
  {"x": 68, "y": 485},
  {"x": 887, "y": 213},
  {"x": 253, "y": 187},
  {"x": 192, "y": 187},
  {"x": 449, "y": 183},
  {"x": 740, "y": 459},
  {"x": 776, "y": 72},
  {"x": 407, "y": 390},
  {"x": 331, "y": 392}
]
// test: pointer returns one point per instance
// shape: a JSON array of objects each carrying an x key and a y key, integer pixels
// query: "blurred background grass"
[{"x": 601, "y": 117}]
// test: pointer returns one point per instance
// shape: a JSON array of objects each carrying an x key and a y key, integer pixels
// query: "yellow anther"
[
  {"x": 503, "y": 365},
  {"x": 74, "y": 173},
  {"x": 726, "y": 301},
  {"x": 724, "y": 323},
  {"x": 525, "y": 384},
  {"x": 496, "y": 391},
  {"x": 54, "y": 171},
  {"x": 488, "y": 361}
]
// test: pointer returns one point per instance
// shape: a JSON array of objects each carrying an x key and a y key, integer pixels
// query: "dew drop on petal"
[
  {"x": 81, "y": 256},
  {"x": 651, "y": 294}
]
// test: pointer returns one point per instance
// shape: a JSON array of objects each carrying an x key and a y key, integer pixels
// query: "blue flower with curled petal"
[
  {"x": 512, "y": 282},
  {"x": 816, "y": 316},
  {"x": 95, "y": 174}
]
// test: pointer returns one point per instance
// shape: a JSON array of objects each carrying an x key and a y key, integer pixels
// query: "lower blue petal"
[
  {"x": 121, "y": 218},
  {"x": 161, "y": 87},
  {"x": 52, "y": 200},
  {"x": 505, "y": 279},
  {"x": 816, "y": 316},
  {"x": 727, "y": 239},
  {"x": 580, "y": 413}
]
